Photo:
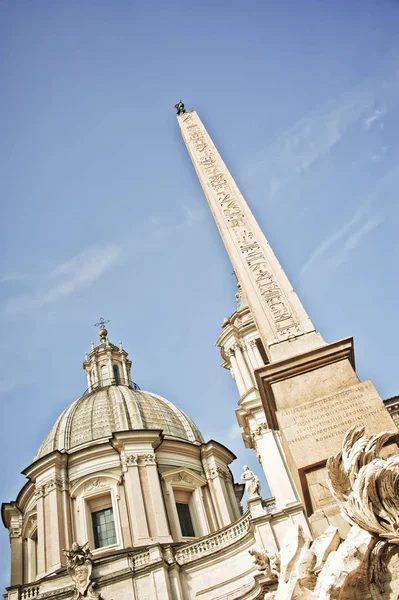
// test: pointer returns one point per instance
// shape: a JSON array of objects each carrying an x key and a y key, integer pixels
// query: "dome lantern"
[{"x": 107, "y": 364}]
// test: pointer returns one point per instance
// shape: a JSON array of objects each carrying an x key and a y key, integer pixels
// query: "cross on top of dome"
[{"x": 102, "y": 332}]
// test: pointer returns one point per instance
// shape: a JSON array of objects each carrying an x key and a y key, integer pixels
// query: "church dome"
[{"x": 97, "y": 415}]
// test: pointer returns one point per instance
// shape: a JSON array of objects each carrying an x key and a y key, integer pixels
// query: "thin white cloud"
[
  {"x": 335, "y": 248},
  {"x": 376, "y": 116},
  {"x": 66, "y": 278},
  {"x": 331, "y": 241},
  {"x": 312, "y": 137},
  {"x": 9, "y": 277},
  {"x": 365, "y": 220},
  {"x": 85, "y": 268},
  {"x": 193, "y": 216},
  {"x": 356, "y": 237}
]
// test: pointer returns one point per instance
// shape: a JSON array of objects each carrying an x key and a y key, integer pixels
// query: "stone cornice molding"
[
  {"x": 122, "y": 439},
  {"x": 216, "y": 450},
  {"x": 56, "y": 459}
]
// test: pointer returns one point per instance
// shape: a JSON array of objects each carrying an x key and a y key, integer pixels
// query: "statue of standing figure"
[
  {"x": 180, "y": 107},
  {"x": 252, "y": 483}
]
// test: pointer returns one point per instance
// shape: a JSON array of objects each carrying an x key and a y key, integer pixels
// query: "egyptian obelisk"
[
  {"x": 281, "y": 320},
  {"x": 309, "y": 389}
]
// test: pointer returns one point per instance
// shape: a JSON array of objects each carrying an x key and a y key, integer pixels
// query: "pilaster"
[
  {"x": 15, "y": 531},
  {"x": 145, "y": 502}
]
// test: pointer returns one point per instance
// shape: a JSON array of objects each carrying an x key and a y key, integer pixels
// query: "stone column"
[
  {"x": 124, "y": 367},
  {"x": 172, "y": 511},
  {"x": 124, "y": 517},
  {"x": 41, "y": 532},
  {"x": 248, "y": 362},
  {"x": 237, "y": 375},
  {"x": 135, "y": 502},
  {"x": 153, "y": 499},
  {"x": 257, "y": 355},
  {"x": 219, "y": 495},
  {"x": 16, "y": 550},
  {"x": 270, "y": 452},
  {"x": 55, "y": 532},
  {"x": 66, "y": 510},
  {"x": 31, "y": 559},
  {"x": 232, "y": 496},
  {"x": 199, "y": 512},
  {"x": 175, "y": 583},
  {"x": 88, "y": 381},
  {"x": 110, "y": 371},
  {"x": 243, "y": 367}
]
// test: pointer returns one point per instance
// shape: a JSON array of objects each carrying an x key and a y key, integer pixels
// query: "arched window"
[{"x": 116, "y": 374}]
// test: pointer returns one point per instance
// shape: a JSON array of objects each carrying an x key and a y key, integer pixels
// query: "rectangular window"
[
  {"x": 103, "y": 528},
  {"x": 186, "y": 524}
]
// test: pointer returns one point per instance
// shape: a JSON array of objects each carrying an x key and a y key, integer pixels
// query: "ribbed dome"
[{"x": 116, "y": 408}]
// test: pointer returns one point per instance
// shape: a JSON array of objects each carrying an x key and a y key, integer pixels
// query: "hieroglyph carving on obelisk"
[{"x": 278, "y": 313}]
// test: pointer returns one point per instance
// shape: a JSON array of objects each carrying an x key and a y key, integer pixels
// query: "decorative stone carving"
[
  {"x": 252, "y": 483},
  {"x": 365, "y": 485},
  {"x": 269, "y": 564},
  {"x": 261, "y": 429},
  {"x": 147, "y": 459},
  {"x": 32, "y": 526},
  {"x": 57, "y": 483},
  {"x": 141, "y": 559},
  {"x": 96, "y": 484},
  {"x": 39, "y": 492},
  {"x": 15, "y": 531},
  {"x": 212, "y": 472},
  {"x": 79, "y": 568}
]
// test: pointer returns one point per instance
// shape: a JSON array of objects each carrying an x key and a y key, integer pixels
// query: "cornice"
[
  {"x": 55, "y": 459},
  {"x": 217, "y": 450},
  {"x": 137, "y": 436}
]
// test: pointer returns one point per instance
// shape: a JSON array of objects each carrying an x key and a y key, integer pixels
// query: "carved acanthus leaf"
[{"x": 365, "y": 485}]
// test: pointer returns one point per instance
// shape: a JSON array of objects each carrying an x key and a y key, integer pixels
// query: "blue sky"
[{"x": 103, "y": 214}]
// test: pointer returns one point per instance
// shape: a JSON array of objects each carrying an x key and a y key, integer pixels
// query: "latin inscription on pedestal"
[{"x": 313, "y": 431}]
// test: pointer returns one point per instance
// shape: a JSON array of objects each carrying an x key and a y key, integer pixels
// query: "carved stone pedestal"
[
  {"x": 255, "y": 507},
  {"x": 313, "y": 398}
]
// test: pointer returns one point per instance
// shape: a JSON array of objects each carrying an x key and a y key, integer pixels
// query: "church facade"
[{"x": 126, "y": 498}]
